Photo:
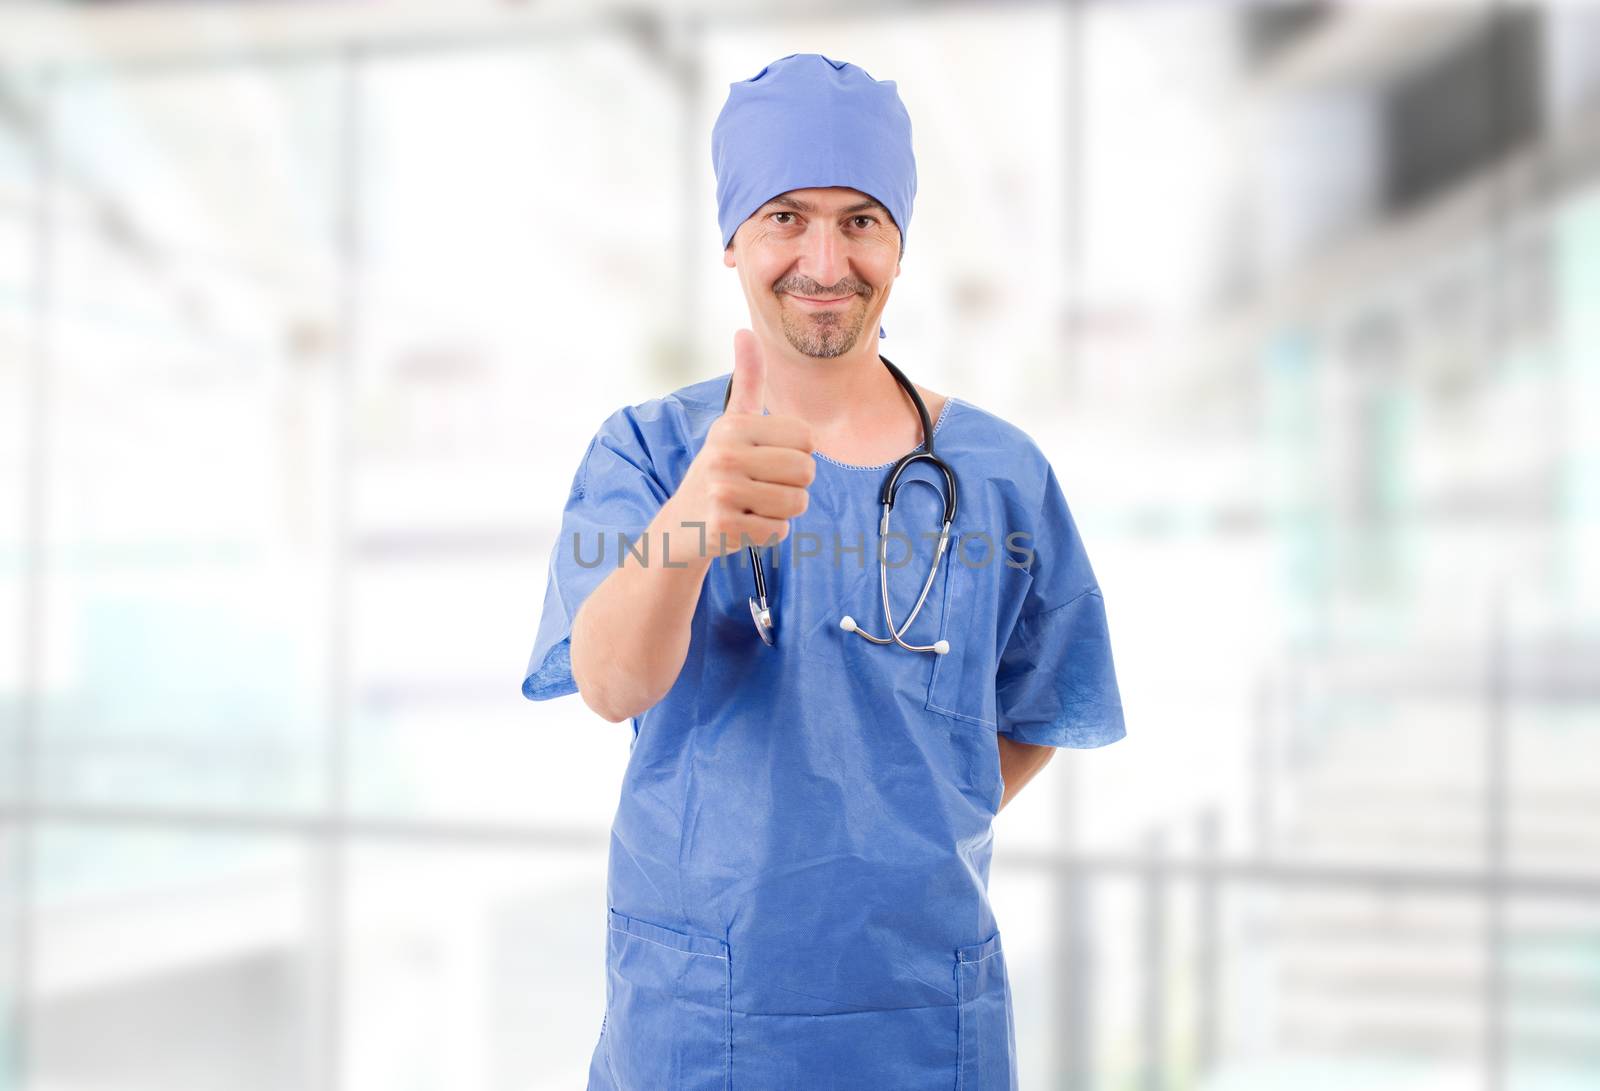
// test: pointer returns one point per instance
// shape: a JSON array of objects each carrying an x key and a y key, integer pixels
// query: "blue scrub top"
[{"x": 798, "y": 876}]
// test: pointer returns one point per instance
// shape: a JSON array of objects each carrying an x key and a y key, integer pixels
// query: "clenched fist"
[{"x": 751, "y": 476}]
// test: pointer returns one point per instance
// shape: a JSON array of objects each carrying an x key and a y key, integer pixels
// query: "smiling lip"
[{"x": 821, "y": 302}]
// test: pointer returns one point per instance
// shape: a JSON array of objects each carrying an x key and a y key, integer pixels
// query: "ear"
[{"x": 727, "y": 257}]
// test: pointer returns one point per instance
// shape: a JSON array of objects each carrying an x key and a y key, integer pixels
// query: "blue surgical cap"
[{"x": 806, "y": 121}]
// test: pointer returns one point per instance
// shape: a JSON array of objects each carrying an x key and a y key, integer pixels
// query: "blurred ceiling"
[{"x": 36, "y": 33}]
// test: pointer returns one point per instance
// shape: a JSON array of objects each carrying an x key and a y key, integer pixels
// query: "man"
[{"x": 799, "y": 859}]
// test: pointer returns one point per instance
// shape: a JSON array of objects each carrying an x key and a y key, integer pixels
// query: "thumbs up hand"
[{"x": 751, "y": 476}]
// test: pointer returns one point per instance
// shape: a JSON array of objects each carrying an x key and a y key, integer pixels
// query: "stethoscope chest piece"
[{"x": 762, "y": 615}]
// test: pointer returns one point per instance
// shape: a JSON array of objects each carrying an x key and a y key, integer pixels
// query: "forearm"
[
  {"x": 631, "y": 636},
  {"x": 1019, "y": 762}
]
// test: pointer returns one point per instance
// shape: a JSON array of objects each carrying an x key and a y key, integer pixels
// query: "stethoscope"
[{"x": 761, "y": 612}]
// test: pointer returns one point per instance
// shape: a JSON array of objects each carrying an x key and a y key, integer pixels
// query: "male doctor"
[{"x": 798, "y": 873}]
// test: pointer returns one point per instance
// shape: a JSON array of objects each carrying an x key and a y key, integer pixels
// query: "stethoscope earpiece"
[{"x": 938, "y": 647}]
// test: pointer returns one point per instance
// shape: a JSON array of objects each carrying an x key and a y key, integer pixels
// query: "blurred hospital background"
[{"x": 307, "y": 312}]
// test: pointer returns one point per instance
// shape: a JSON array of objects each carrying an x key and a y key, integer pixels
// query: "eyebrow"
[{"x": 803, "y": 206}]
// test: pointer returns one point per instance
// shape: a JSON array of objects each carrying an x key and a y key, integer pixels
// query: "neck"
[{"x": 830, "y": 393}]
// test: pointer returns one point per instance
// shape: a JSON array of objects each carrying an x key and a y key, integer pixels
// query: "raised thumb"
[{"x": 749, "y": 374}]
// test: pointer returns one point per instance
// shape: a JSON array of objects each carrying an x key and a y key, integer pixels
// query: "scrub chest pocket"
[{"x": 962, "y": 681}]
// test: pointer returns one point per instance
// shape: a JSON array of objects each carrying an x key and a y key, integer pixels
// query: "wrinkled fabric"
[{"x": 799, "y": 860}]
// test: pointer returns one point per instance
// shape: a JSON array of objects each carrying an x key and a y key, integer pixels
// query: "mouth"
[{"x": 835, "y": 302}]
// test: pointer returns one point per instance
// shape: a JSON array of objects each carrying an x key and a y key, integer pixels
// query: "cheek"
[
  {"x": 765, "y": 275},
  {"x": 879, "y": 266}
]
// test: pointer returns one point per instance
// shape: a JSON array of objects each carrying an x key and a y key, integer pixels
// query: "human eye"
[
  {"x": 864, "y": 216},
  {"x": 782, "y": 214}
]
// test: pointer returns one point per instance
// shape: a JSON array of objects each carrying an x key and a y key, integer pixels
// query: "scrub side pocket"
[
  {"x": 669, "y": 1017},
  {"x": 986, "y": 1040},
  {"x": 962, "y": 682}
]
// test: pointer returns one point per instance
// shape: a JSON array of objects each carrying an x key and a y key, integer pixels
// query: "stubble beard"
[{"x": 823, "y": 334}]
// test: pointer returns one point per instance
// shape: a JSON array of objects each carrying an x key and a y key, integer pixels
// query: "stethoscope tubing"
[{"x": 761, "y": 612}]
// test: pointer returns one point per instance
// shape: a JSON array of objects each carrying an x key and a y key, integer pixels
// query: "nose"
[{"x": 824, "y": 257}]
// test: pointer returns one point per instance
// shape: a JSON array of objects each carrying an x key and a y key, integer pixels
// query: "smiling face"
[{"x": 816, "y": 266}]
